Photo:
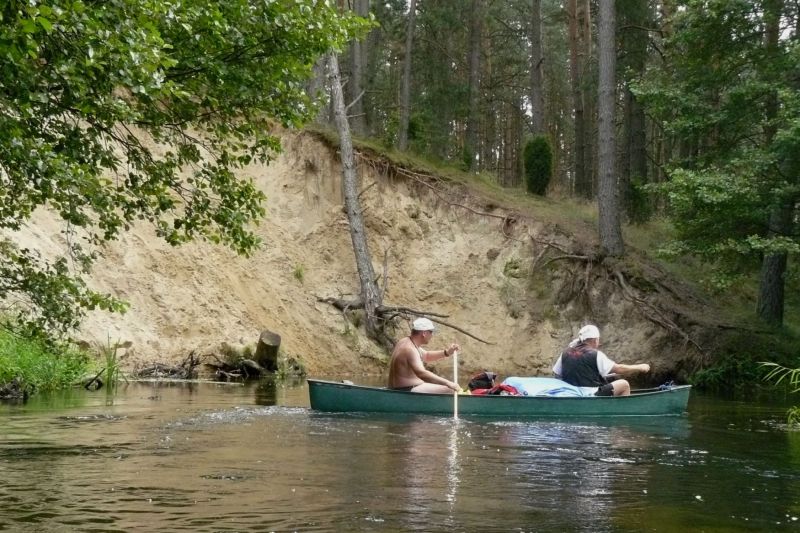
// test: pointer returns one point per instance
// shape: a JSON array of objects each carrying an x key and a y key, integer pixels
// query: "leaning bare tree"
[{"x": 371, "y": 299}]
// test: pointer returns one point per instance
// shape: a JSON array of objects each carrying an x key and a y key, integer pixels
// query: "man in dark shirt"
[{"x": 584, "y": 366}]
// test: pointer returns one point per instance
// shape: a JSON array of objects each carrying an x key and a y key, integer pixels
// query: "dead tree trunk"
[{"x": 370, "y": 293}]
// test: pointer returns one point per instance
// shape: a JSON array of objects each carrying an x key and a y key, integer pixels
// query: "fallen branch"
[
  {"x": 242, "y": 369},
  {"x": 406, "y": 311},
  {"x": 97, "y": 379},
  {"x": 186, "y": 370},
  {"x": 389, "y": 313}
]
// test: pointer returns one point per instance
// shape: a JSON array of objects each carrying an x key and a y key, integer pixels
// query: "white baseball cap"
[
  {"x": 588, "y": 332},
  {"x": 423, "y": 324}
]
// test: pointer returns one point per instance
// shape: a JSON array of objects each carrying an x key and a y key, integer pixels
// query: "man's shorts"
[{"x": 605, "y": 390}]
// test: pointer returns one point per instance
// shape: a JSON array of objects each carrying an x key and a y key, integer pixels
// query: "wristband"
[{"x": 445, "y": 353}]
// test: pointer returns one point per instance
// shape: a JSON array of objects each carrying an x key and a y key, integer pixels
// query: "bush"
[
  {"x": 538, "y": 162},
  {"x": 38, "y": 366},
  {"x": 728, "y": 373}
]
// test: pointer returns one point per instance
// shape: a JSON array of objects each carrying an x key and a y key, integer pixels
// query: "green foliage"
[
  {"x": 234, "y": 355},
  {"x": 49, "y": 297},
  {"x": 513, "y": 268},
  {"x": 37, "y": 365},
  {"x": 112, "y": 369},
  {"x": 731, "y": 371},
  {"x": 299, "y": 273},
  {"x": 779, "y": 374},
  {"x": 289, "y": 366},
  {"x": 127, "y": 110},
  {"x": 639, "y": 202},
  {"x": 731, "y": 104},
  {"x": 738, "y": 356},
  {"x": 538, "y": 164},
  {"x": 793, "y": 416}
]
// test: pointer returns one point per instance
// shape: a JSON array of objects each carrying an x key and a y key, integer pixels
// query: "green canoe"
[{"x": 331, "y": 396}]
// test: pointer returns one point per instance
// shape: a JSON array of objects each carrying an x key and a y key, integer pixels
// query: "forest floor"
[{"x": 519, "y": 272}]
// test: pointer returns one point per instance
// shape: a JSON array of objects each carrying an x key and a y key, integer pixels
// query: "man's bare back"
[
  {"x": 401, "y": 373},
  {"x": 407, "y": 369}
]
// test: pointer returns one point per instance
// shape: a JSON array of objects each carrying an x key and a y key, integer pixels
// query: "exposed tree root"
[
  {"x": 426, "y": 180},
  {"x": 649, "y": 310},
  {"x": 653, "y": 313}
]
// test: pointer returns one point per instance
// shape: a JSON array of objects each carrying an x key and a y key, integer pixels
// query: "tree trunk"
[
  {"x": 771, "y": 288},
  {"x": 537, "y": 58},
  {"x": 580, "y": 186},
  {"x": 405, "y": 84},
  {"x": 589, "y": 101},
  {"x": 372, "y": 49},
  {"x": 773, "y": 267},
  {"x": 315, "y": 86},
  {"x": 471, "y": 141},
  {"x": 633, "y": 162},
  {"x": 370, "y": 294},
  {"x": 355, "y": 84},
  {"x": 608, "y": 193}
]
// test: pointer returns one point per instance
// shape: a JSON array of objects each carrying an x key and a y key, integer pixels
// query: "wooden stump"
[{"x": 267, "y": 350}]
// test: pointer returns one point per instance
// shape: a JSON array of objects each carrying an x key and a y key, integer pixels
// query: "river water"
[{"x": 208, "y": 457}]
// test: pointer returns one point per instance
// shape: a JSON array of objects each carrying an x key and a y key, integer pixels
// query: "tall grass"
[
  {"x": 113, "y": 372},
  {"x": 38, "y": 366},
  {"x": 789, "y": 377}
]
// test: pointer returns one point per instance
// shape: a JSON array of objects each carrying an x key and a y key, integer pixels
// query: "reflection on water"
[{"x": 233, "y": 458}]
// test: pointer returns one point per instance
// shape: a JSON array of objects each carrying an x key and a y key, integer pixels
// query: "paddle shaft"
[{"x": 455, "y": 380}]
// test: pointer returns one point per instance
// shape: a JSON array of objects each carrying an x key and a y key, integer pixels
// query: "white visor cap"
[
  {"x": 423, "y": 324},
  {"x": 588, "y": 332}
]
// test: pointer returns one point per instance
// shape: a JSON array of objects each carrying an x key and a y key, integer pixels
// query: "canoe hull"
[{"x": 330, "y": 396}]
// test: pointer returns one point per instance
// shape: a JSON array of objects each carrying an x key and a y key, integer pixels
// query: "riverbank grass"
[{"x": 38, "y": 367}]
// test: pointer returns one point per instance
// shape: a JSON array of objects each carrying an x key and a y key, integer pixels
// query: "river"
[{"x": 209, "y": 457}]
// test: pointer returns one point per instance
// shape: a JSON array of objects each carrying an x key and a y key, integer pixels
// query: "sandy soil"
[{"x": 440, "y": 258}]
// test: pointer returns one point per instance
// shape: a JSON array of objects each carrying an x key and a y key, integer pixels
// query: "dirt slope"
[{"x": 440, "y": 257}]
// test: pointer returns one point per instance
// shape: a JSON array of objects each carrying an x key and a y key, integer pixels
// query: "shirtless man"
[{"x": 406, "y": 369}]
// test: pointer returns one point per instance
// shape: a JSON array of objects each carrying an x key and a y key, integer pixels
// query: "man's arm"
[
  {"x": 426, "y": 375},
  {"x": 620, "y": 368},
  {"x": 435, "y": 355}
]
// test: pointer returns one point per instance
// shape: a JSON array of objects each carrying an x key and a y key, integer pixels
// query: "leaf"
[
  {"x": 28, "y": 26},
  {"x": 45, "y": 24}
]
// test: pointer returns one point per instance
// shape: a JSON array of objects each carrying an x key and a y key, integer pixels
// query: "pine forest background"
[{"x": 652, "y": 109}]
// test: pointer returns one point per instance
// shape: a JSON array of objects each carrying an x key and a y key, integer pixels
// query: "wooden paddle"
[{"x": 455, "y": 380}]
